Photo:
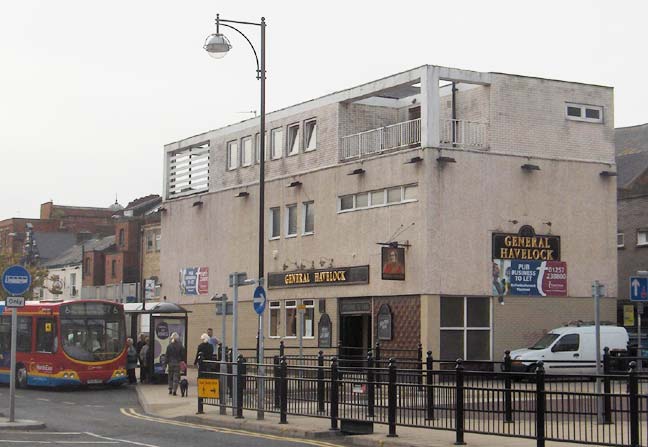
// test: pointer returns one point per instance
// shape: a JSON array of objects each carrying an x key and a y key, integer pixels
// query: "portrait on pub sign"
[{"x": 393, "y": 263}]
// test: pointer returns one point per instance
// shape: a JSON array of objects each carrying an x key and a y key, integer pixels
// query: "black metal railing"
[{"x": 608, "y": 409}]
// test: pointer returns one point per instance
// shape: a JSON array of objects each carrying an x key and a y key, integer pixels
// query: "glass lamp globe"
[{"x": 217, "y": 45}]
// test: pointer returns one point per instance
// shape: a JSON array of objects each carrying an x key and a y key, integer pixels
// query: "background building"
[{"x": 404, "y": 211}]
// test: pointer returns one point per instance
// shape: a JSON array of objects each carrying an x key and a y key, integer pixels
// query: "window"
[
  {"x": 465, "y": 328},
  {"x": 291, "y": 220},
  {"x": 276, "y": 137},
  {"x": 246, "y": 156},
  {"x": 309, "y": 319},
  {"x": 158, "y": 240},
  {"x": 149, "y": 241},
  {"x": 73, "y": 288},
  {"x": 121, "y": 237},
  {"x": 86, "y": 268},
  {"x": 642, "y": 238},
  {"x": 45, "y": 335},
  {"x": 620, "y": 240},
  {"x": 113, "y": 268},
  {"x": 568, "y": 343},
  {"x": 232, "y": 155},
  {"x": 293, "y": 139},
  {"x": 582, "y": 112},
  {"x": 388, "y": 196},
  {"x": 275, "y": 225},
  {"x": 24, "y": 338},
  {"x": 309, "y": 218},
  {"x": 257, "y": 147},
  {"x": 275, "y": 322},
  {"x": 310, "y": 135},
  {"x": 291, "y": 318}
]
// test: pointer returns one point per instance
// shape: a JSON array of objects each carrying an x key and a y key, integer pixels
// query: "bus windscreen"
[{"x": 92, "y": 331}]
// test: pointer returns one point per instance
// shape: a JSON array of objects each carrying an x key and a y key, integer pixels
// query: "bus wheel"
[{"x": 21, "y": 377}]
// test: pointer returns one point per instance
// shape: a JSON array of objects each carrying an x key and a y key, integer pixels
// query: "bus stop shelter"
[{"x": 164, "y": 319}]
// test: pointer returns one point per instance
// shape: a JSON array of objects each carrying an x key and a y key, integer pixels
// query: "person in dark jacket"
[
  {"x": 205, "y": 349},
  {"x": 131, "y": 361},
  {"x": 175, "y": 353}
]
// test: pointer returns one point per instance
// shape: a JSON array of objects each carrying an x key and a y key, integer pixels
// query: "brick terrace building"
[{"x": 402, "y": 211}]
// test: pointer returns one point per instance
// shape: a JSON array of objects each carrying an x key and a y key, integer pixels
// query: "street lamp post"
[{"x": 218, "y": 45}]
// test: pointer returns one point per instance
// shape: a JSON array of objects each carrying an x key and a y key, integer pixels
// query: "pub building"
[{"x": 402, "y": 212}]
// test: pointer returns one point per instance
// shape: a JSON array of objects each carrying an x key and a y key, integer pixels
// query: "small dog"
[{"x": 184, "y": 387}]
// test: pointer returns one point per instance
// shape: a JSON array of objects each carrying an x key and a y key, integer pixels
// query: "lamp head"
[{"x": 217, "y": 45}]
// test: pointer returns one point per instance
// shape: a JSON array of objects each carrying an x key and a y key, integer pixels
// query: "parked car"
[{"x": 569, "y": 349}]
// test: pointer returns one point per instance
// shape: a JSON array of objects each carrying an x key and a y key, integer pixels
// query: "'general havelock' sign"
[
  {"x": 321, "y": 277},
  {"x": 526, "y": 247}
]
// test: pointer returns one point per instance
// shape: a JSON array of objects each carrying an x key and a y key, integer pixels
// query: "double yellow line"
[{"x": 130, "y": 412}]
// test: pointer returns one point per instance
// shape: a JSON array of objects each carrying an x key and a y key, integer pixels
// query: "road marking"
[
  {"x": 42, "y": 399},
  {"x": 132, "y": 413},
  {"x": 120, "y": 440},
  {"x": 68, "y": 403}
]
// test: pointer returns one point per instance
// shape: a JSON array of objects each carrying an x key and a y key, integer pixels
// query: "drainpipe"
[{"x": 454, "y": 114}]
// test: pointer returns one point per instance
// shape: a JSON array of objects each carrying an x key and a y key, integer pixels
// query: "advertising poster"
[
  {"x": 162, "y": 331},
  {"x": 531, "y": 278},
  {"x": 194, "y": 281}
]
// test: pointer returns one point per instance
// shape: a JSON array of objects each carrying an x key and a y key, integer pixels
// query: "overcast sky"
[{"x": 90, "y": 91}]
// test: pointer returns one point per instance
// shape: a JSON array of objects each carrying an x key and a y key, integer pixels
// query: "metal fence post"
[
  {"x": 371, "y": 385},
  {"x": 540, "y": 405},
  {"x": 430, "y": 386},
  {"x": 391, "y": 399},
  {"x": 277, "y": 381},
  {"x": 240, "y": 381},
  {"x": 200, "y": 368},
  {"x": 459, "y": 404},
  {"x": 283, "y": 407},
  {"x": 508, "y": 404},
  {"x": 633, "y": 395},
  {"x": 377, "y": 363},
  {"x": 320, "y": 382},
  {"x": 282, "y": 349},
  {"x": 607, "y": 399},
  {"x": 419, "y": 363},
  {"x": 334, "y": 394},
  {"x": 228, "y": 357}
]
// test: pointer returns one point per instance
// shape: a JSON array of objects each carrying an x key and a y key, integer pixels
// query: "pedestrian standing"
[
  {"x": 143, "y": 358},
  {"x": 205, "y": 350},
  {"x": 131, "y": 361},
  {"x": 138, "y": 346},
  {"x": 175, "y": 354},
  {"x": 212, "y": 340}
]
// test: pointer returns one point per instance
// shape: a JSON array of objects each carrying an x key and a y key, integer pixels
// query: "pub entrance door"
[{"x": 355, "y": 331}]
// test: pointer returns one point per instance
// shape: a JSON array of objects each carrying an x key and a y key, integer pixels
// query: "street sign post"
[
  {"x": 639, "y": 288},
  {"x": 16, "y": 281},
  {"x": 259, "y": 301}
]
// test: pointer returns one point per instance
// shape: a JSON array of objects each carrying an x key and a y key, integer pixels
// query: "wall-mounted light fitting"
[
  {"x": 198, "y": 203},
  {"x": 443, "y": 159},
  {"x": 413, "y": 160},
  {"x": 608, "y": 174},
  {"x": 294, "y": 184},
  {"x": 530, "y": 167},
  {"x": 160, "y": 209},
  {"x": 242, "y": 194},
  {"x": 357, "y": 171},
  {"x": 513, "y": 221}
]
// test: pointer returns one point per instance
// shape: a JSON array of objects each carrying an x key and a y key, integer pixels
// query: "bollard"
[
  {"x": 459, "y": 404},
  {"x": 419, "y": 363},
  {"x": 371, "y": 385},
  {"x": 240, "y": 380},
  {"x": 200, "y": 402},
  {"x": 540, "y": 405},
  {"x": 391, "y": 399},
  {"x": 430, "y": 387},
  {"x": 633, "y": 395},
  {"x": 607, "y": 387},
  {"x": 283, "y": 396},
  {"x": 508, "y": 404},
  {"x": 320, "y": 382},
  {"x": 334, "y": 394}
]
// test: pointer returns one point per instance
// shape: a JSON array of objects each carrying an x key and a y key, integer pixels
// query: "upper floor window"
[
  {"x": 308, "y": 216},
  {"x": 310, "y": 135},
  {"x": 86, "y": 267},
  {"x": 642, "y": 237},
  {"x": 381, "y": 197},
  {"x": 158, "y": 241},
  {"x": 257, "y": 147},
  {"x": 620, "y": 240},
  {"x": 291, "y": 220},
  {"x": 149, "y": 241},
  {"x": 113, "y": 268},
  {"x": 276, "y": 142},
  {"x": 232, "y": 155},
  {"x": 582, "y": 112},
  {"x": 246, "y": 156},
  {"x": 275, "y": 223},
  {"x": 293, "y": 139},
  {"x": 121, "y": 237}
]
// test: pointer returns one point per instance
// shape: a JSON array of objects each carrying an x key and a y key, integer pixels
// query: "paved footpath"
[{"x": 157, "y": 402}]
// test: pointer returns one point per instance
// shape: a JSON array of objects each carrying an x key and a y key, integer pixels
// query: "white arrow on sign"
[{"x": 635, "y": 285}]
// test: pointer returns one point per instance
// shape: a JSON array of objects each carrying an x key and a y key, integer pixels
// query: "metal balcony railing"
[
  {"x": 463, "y": 134},
  {"x": 375, "y": 141}
]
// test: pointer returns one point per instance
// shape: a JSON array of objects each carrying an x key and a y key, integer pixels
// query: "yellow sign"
[
  {"x": 628, "y": 315},
  {"x": 48, "y": 327},
  {"x": 301, "y": 307},
  {"x": 208, "y": 388}
]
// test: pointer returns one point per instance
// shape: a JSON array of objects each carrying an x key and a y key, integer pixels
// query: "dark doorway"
[{"x": 355, "y": 339}]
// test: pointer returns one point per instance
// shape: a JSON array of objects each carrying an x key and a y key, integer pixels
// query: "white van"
[{"x": 559, "y": 347}]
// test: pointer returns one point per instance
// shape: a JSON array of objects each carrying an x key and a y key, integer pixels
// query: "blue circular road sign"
[
  {"x": 259, "y": 300},
  {"x": 16, "y": 280}
]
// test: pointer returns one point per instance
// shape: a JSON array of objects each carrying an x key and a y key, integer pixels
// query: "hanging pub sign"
[
  {"x": 324, "y": 332},
  {"x": 527, "y": 264},
  {"x": 393, "y": 263},
  {"x": 339, "y": 276},
  {"x": 384, "y": 326}
]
